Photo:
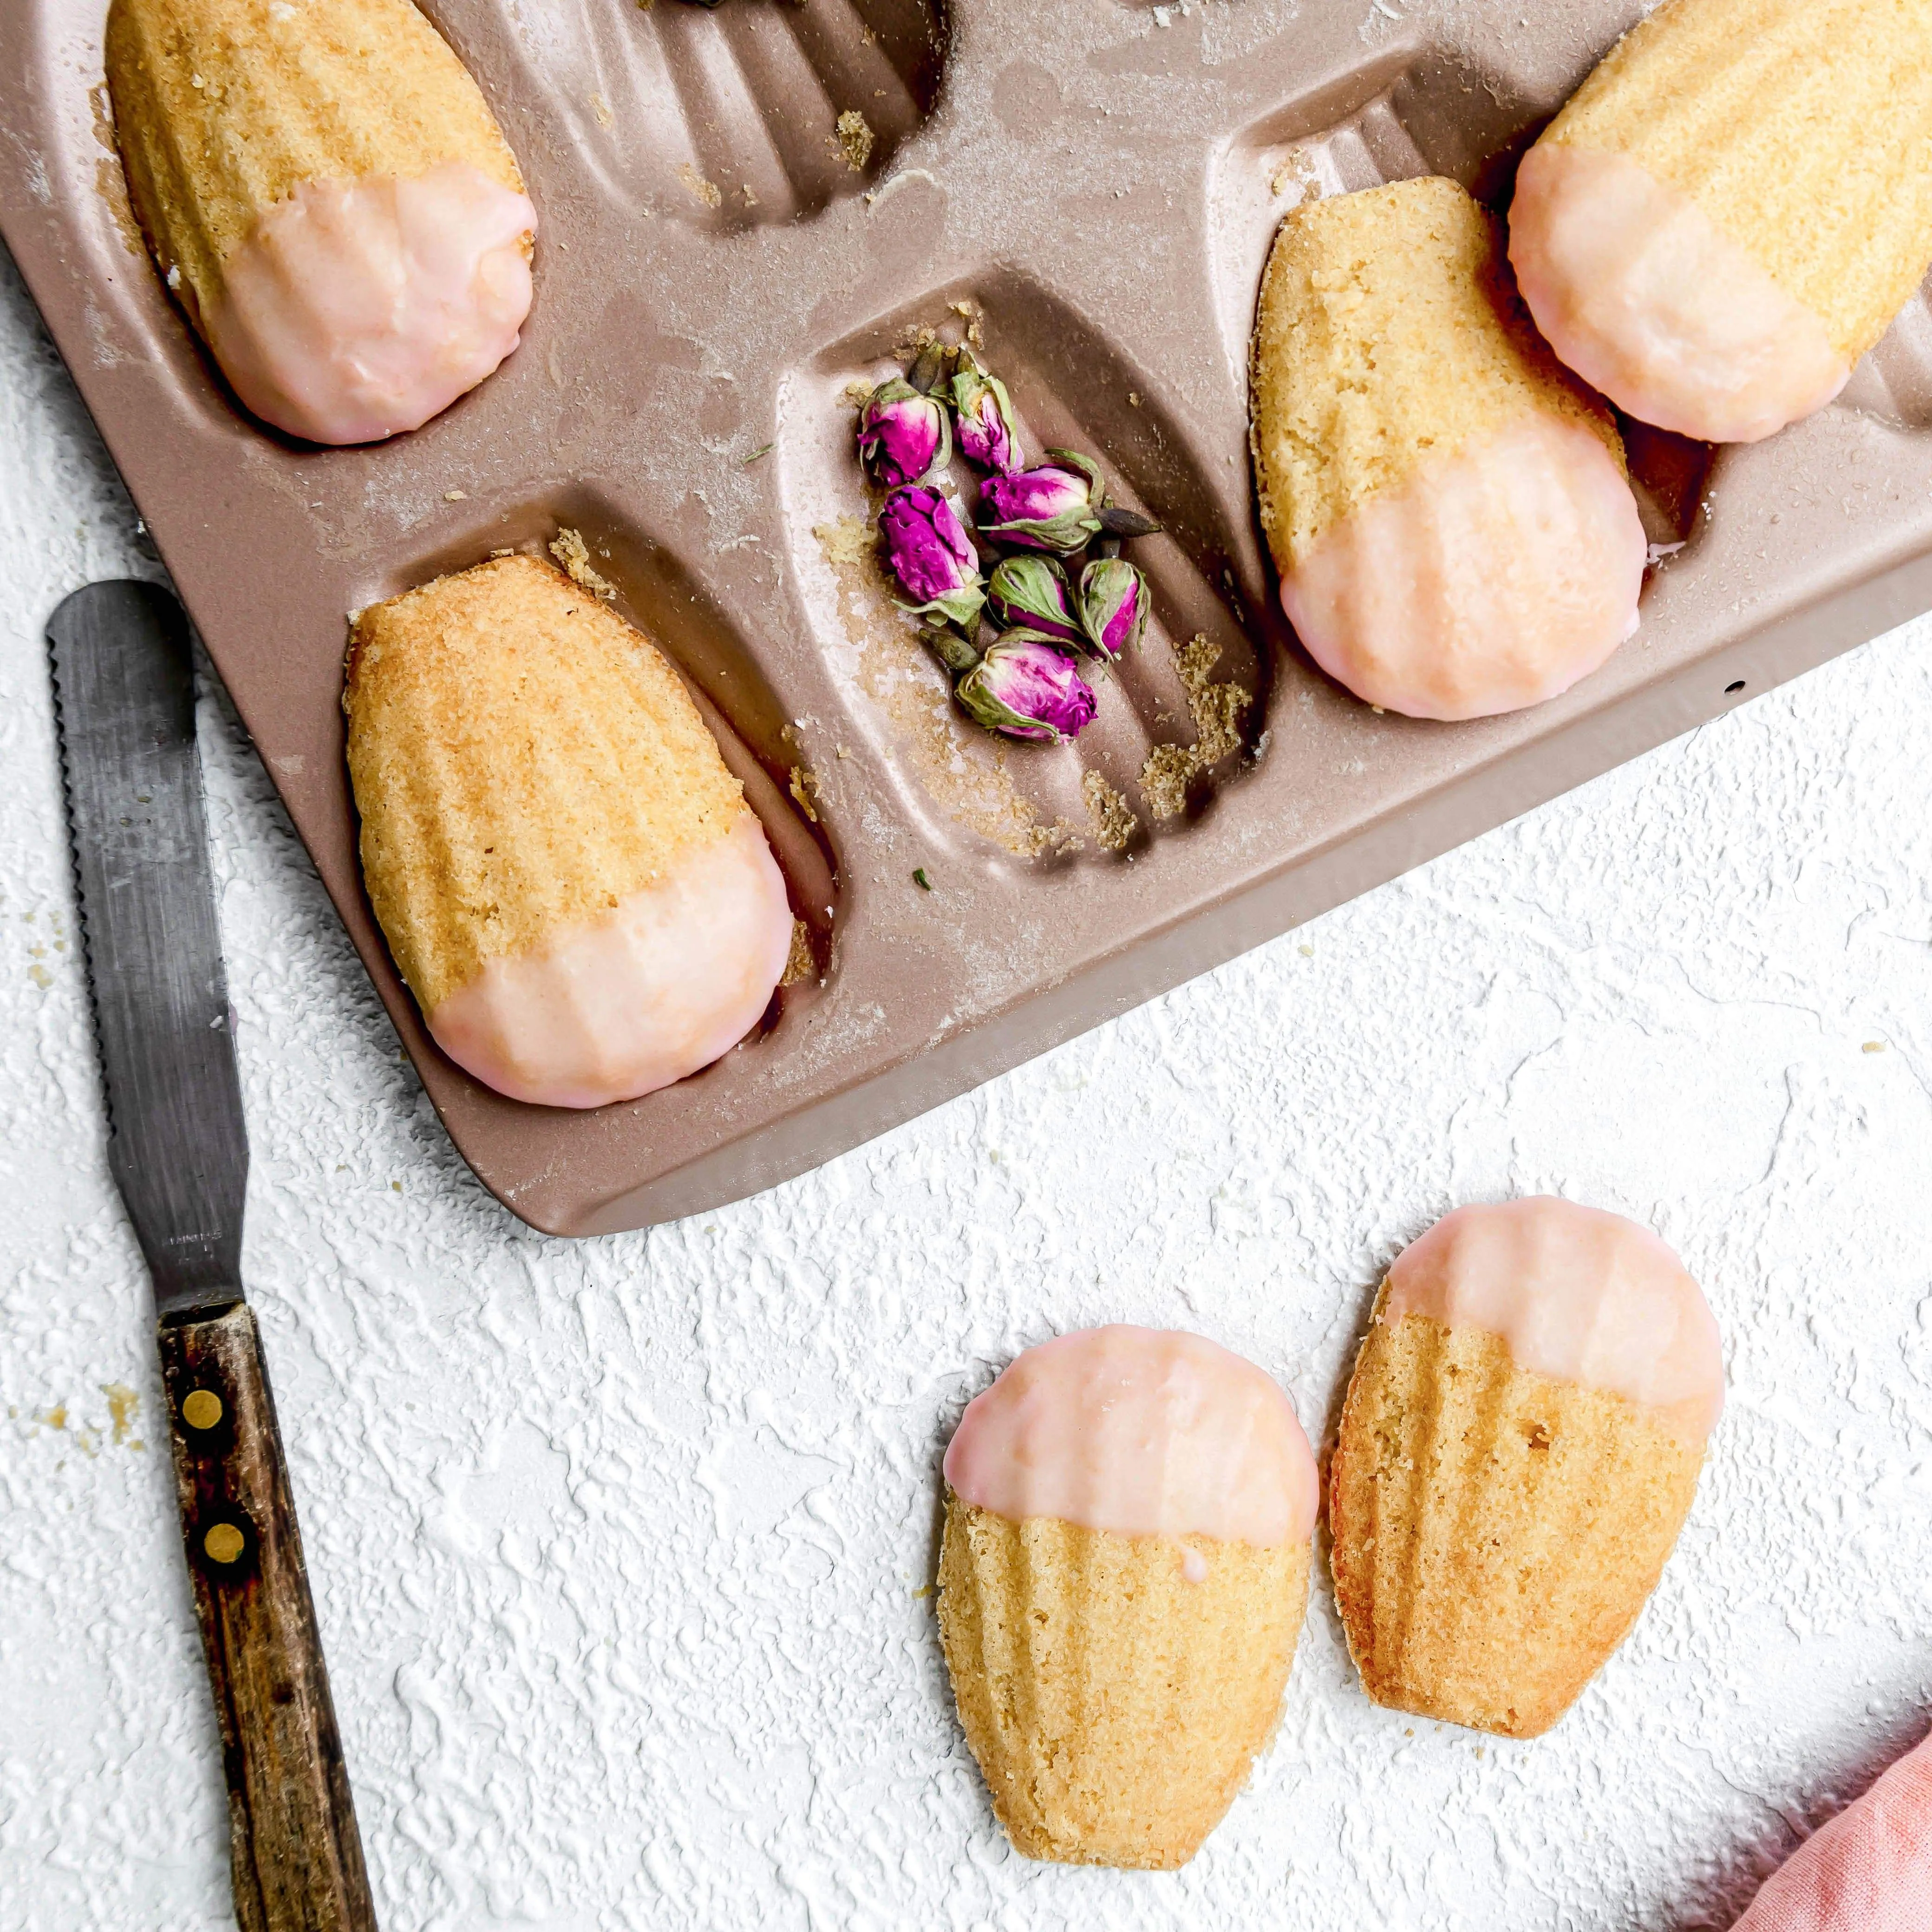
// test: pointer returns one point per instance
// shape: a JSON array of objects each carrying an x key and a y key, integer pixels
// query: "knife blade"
[{"x": 124, "y": 683}]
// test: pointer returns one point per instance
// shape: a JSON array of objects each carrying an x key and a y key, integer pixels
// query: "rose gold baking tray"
[{"x": 1094, "y": 185}]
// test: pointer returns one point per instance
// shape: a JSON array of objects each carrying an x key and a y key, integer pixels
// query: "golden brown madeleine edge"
[
  {"x": 1495, "y": 1533},
  {"x": 522, "y": 761},
  {"x": 1115, "y": 1708},
  {"x": 376, "y": 90}
]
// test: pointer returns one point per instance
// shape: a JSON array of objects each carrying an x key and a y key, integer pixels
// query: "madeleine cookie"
[
  {"x": 1519, "y": 1447},
  {"x": 327, "y": 192},
  {"x": 1733, "y": 208},
  {"x": 1123, "y": 1578},
  {"x": 1449, "y": 510},
  {"x": 569, "y": 878}
]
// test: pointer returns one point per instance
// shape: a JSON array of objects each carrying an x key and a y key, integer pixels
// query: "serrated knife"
[{"x": 124, "y": 696}]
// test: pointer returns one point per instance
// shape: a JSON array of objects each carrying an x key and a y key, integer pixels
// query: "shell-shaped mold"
[
  {"x": 759, "y": 111},
  {"x": 1496, "y": 1532},
  {"x": 1180, "y": 718},
  {"x": 1114, "y": 1705}
]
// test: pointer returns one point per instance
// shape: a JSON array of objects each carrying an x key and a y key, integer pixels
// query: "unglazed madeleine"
[
  {"x": 1122, "y": 1581},
  {"x": 1448, "y": 509},
  {"x": 326, "y": 190},
  {"x": 1733, "y": 208},
  {"x": 1519, "y": 1446},
  {"x": 570, "y": 879}
]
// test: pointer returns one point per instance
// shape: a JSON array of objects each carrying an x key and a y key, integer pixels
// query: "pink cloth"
[{"x": 1869, "y": 1870}]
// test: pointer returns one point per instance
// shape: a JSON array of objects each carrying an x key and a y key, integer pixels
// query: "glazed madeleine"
[
  {"x": 1519, "y": 1447},
  {"x": 1733, "y": 208},
  {"x": 1122, "y": 1581},
  {"x": 327, "y": 193},
  {"x": 569, "y": 878},
  {"x": 1449, "y": 510}
]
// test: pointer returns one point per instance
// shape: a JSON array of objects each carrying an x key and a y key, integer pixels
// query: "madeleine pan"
[{"x": 1090, "y": 188}]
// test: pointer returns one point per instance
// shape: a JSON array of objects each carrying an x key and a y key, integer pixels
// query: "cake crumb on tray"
[
  {"x": 802, "y": 965},
  {"x": 1115, "y": 822},
  {"x": 573, "y": 557},
  {"x": 1219, "y": 710}
]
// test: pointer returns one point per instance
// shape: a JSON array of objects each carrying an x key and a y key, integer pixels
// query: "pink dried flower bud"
[
  {"x": 928, "y": 549},
  {"x": 1030, "y": 593},
  {"x": 988, "y": 435},
  {"x": 1027, "y": 687},
  {"x": 1055, "y": 506},
  {"x": 904, "y": 438},
  {"x": 1113, "y": 606}
]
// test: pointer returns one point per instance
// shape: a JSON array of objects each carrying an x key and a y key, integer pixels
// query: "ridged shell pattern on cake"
[
  {"x": 567, "y": 873},
  {"x": 1734, "y": 207},
  {"x": 1449, "y": 511},
  {"x": 1123, "y": 1578},
  {"x": 1499, "y": 1527},
  {"x": 326, "y": 191},
  {"x": 1114, "y": 1689}
]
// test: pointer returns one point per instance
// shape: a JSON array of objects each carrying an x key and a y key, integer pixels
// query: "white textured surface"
[{"x": 618, "y": 1547}]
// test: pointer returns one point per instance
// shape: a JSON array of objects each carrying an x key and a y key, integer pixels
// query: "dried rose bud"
[
  {"x": 904, "y": 437},
  {"x": 1056, "y": 506},
  {"x": 987, "y": 434},
  {"x": 1027, "y": 687},
  {"x": 1031, "y": 593},
  {"x": 1113, "y": 606},
  {"x": 929, "y": 550}
]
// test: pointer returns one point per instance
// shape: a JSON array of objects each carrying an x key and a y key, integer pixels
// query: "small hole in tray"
[{"x": 1730, "y": 690}]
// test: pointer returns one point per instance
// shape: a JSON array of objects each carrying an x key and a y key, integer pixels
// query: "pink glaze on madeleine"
[
  {"x": 356, "y": 309},
  {"x": 1491, "y": 579},
  {"x": 1641, "y": 293},
  {"x": 1869, "y": 1870},
  {"x": 677, "y": 975},
  {"x": 1579, "y": 1295},
  {"x": 1142, "y": 1431}
]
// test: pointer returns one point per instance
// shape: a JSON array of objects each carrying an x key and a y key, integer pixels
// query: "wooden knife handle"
[{"x": 297, "y": 1859}]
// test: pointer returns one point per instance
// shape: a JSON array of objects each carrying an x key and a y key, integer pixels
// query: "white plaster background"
[{"x": 620, "y": 1548}]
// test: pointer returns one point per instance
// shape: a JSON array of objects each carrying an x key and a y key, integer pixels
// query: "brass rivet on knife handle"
[
  {"x": 296, "y": 1858},
  {"x": 202, "y": 1408},
  {"x": 224, "y": 1543}
]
